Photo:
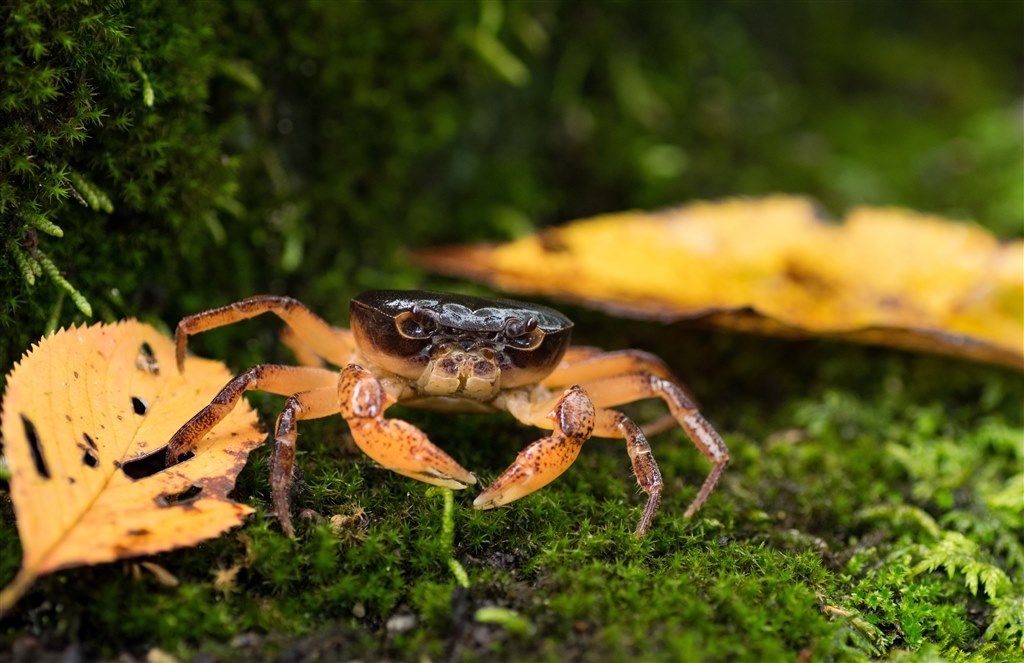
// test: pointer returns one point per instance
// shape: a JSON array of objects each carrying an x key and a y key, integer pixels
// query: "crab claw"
[
  {"x": 397, "y": 445},
  {"x": 546, "y": 459},
  {"x": 401, "y": 447},
  {"x": 535, "y": 467}
]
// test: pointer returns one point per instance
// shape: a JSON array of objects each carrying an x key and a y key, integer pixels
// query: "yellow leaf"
[
  {"x": 885, "y": 276},
  {"x": 86, "y": 415}
]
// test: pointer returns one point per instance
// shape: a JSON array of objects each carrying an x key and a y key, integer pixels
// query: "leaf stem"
[{"x": 10, "y": 594}]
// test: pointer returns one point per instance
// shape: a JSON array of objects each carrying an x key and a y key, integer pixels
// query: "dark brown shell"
[{"x": 462, "y": 312}]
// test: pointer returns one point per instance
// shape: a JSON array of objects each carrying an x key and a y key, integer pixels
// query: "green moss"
[
  {"x": 167, "y": 157},
  {"x": 83, "y": 155}
]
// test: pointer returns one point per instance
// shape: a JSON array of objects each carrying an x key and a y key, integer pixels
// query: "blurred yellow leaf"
[
  {"x": 884, "y": 276},
  {"x": 86, "y": 416}
]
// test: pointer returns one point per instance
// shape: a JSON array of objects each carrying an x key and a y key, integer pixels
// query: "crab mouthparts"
[{"x": 457, "y": 372}]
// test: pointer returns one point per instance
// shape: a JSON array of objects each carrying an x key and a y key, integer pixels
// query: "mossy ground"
[
  {"x": 853, "y": 470},
  {"x": 874, "y": 504}
]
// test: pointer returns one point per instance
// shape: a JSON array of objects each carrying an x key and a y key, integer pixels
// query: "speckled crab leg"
[
  {"x": 636, "y": 386},
  {"x": 272, "y": 378},
  {"x": 312, "y": 393},
  {"x": 591, "y": 364},
  {"x": 580, "y": 367},
  {"x": 395, "y": 444},
  {"x": 571, "y": 419},
  {"x": 611, "y": 423},
  {"x": 575, "y": 418},
  {"x": 314, "y": 404},
  {"x": 333, "y": 344}
]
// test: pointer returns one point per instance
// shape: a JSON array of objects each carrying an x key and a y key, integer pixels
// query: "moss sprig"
[
  {"x": 51, "y": 270},
  {"x": 448, "y": 533},
  {"x": 43, "y": 224},
  {"x": 91, "y": 194},
  {"x": 29, "y": 266}
]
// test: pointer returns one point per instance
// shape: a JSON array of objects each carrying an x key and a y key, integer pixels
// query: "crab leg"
[
  {"x": 594, "y": 364},
  {"x": 304, "y": 354},
  {"x": 312, "y": 393},
  {"x": 322, "y": 402},
  {"x": 575, "y": 353},
  {"x": 632, "y": 387},
  {"x": 554, "y": 455},
  {"x": 333, "y": 344},
  {"x": 272, "y": 378},
  {"x": 579, "y": 367},
  {"x": 540, "y": 463},
  {"x": 611, "y": 423},
  {"x": 395, "y": 444}
]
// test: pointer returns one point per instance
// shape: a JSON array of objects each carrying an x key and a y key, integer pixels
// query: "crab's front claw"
[
  {"x": 546, "y": 459},
  {"x": 536, "y": 466},
  {"x": 397, "y": 445},
  {"x": 401, "y": 447}
]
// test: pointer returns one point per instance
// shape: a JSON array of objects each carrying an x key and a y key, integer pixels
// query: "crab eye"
[
  {"x": 415, "y": 324},
  {"x": 515, "y": 327},
  {"x": 523, "y": 334}
]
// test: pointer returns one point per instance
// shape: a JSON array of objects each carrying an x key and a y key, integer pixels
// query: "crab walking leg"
[
  {"x": 333, "y": 344},
  {"x": 594, "y": 364},
  {"x": 395, "y": 444},
  {"x": 582, "y": 367},
  {"x": 611, "y": 423},
  {"x": 322, "y": 402},
  {"x": 540, "y": 463},
  {"x": 304, "y": 354},
  {"x": 273, "y": 378},
  {"x": 576, "y": 353},
  {"x": 628, "y": 388}
]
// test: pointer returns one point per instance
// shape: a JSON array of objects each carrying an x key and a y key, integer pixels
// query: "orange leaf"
[
  {"x": 884, "y": 276},
  {"x": 81, "y": 409}
]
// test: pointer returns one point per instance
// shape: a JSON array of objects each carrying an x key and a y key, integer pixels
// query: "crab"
[{"x": 455, "y": 353}]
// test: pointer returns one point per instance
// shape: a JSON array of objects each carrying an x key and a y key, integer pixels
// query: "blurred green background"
[
  {"x": 193, "y": 153},
  {"x": 304, "y": 147}
]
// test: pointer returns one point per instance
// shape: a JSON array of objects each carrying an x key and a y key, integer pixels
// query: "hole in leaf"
[
  {"x": 89, "y": 449},
  {"x": 35, "y": 447},
  {"x": 183, "y": 457},
  {"x": 139, "y": 405},
  {"x": 180, "y": 499},
  {"x": 90, "y": 458},
  {"x": 150, "y": 464},
  {"x": 146, "y": 361}
]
